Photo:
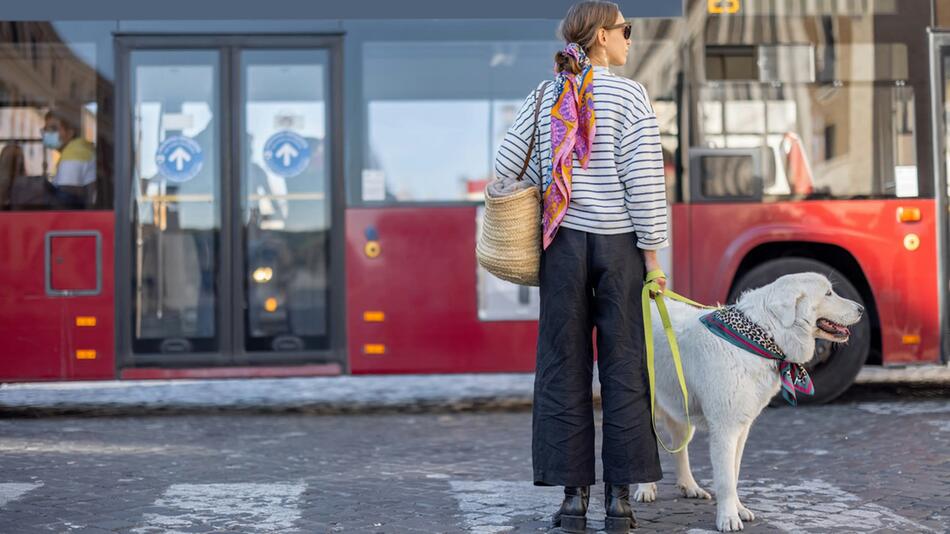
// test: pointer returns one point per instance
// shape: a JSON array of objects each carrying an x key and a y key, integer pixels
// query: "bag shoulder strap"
[{"x": 538, "y": 97}]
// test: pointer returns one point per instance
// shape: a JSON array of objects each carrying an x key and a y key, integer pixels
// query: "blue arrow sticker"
[
  {"x": 179, "y": 158},
  {"x": 286, "y": 153}
]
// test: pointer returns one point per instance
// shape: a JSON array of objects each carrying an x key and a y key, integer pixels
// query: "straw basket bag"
[{"x": 509, "y": 245}]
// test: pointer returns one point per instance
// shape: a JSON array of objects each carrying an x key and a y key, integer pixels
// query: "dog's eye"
[{"x": 828, "y": 294}]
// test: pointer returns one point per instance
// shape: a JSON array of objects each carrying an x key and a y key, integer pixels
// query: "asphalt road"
[{"x": 877, "y": 460}]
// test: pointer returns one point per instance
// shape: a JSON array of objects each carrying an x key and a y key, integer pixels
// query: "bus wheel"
[{"x": 835, "y": 365}]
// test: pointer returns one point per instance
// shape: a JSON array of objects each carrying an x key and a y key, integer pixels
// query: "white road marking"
[
  {"x": 905, "y": 408},
  {"x": 11, "y": 491},
  {"x": 815, "y": 504},
  {"x": 36, "y": 446},
  {"x": 943, "y": 426},
  {"x": 493, "y": 506},
  {"x": 244, "y": 507}
]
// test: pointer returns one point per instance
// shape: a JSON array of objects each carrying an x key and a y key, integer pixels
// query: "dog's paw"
[
  {"x": 645, "y": 492},
  {"x": 745, "y": 514},
  {"x": 728, "y": 523},
  {"x": 691, "y": 490}
]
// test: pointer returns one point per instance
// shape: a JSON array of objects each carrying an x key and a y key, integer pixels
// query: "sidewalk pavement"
[
  {"x": 322, "y": 395},
  {"x": 316, "y": 395}
]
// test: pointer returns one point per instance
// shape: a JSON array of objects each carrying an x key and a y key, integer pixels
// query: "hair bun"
[{"x": 564, "y": 62}]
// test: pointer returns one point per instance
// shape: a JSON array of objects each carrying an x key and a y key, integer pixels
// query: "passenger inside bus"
[
  {"x": 12, "y": 165},
  {"x": 74, "y": 175}
]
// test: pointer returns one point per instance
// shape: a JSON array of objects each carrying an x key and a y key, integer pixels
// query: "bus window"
[
  {"x": 727, "y": 174},
  {"x": 436, "y": 110},
  {"x": 53, "y": 154},
  {"x": 654, "y": 60},
  {"x": 839, "y": 140},
  {"x": 826, "y": 92},
  {"x": 435, "y": 113}
]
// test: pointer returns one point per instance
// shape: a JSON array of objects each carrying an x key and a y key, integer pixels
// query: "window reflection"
[
  {"x": 818, "y": 140},
  {"x": 286, "y": 199},
  {"x": 830, "y": 98},
  {"x": 654, "y": 60},
  {"x": 430, "y": 149},
  {"x": 53, "y": 154},
  {"x": 946, "y": 115},
  {"x": 176, "y": 224},
  {"x": 435, "y": 113}
]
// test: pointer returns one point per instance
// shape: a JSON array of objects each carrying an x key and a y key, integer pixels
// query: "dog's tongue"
[
  {"x": 838, "y": 329},
  {"x": 843, "y": 330}
]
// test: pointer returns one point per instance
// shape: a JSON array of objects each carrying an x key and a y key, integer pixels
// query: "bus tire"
[{"x": 835, "y": 366}]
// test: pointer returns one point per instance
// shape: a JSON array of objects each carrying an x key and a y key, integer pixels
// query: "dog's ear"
[{"x": 784, "y": 302}]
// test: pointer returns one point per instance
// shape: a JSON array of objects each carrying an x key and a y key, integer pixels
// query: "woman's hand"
[{"x": 652, "y": 264}]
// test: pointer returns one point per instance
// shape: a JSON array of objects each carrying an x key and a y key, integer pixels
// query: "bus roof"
[{"x": 296, "y": 10}]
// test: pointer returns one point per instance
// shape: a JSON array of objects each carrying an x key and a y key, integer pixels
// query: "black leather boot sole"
[
  {"x": 575, "y": 524},
  {"x": 618, "y": 525}
]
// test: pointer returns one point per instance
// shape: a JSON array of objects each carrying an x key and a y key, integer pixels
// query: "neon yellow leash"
[{"x": 652, "y": 285}]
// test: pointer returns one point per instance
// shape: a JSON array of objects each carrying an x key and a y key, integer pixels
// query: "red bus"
[
  {"x": 816, "y": 141},
  {"x": 290, "y": 197}
]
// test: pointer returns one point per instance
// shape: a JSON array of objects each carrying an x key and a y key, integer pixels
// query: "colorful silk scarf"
[
  {"x": 730, "y": 324},
  {"x": 572, "y": 132}
]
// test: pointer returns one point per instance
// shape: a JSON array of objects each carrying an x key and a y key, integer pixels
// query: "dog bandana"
[
  {"x": 572, "y": 132},
  {"x": 730, "y": 324}
]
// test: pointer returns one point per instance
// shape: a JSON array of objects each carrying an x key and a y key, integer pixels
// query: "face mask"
[{"x": 51, "y": 140}]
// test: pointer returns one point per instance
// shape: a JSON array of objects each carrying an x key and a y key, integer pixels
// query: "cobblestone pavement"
[{"x": 870, "y": 463}]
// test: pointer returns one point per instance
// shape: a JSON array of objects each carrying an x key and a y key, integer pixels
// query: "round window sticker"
[
  {"x": 287, "y": 153},
  {"x": 179, "y": 158}
]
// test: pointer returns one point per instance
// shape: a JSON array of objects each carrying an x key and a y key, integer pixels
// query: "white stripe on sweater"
[{"x": 623, "y": 188}]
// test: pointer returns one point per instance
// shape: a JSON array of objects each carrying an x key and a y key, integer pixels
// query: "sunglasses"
[{"x": 627, "y": 28}]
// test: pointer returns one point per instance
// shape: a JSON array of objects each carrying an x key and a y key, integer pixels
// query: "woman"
[{"x": 599, "y": 163}]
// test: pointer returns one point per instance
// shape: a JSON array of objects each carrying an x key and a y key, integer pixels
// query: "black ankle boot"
[
  {"x": 572, "y": 517},
  {"x": 619, "y": 518}
]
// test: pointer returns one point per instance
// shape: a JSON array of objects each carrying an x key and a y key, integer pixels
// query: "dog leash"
[{"x": 648, "y": 286}]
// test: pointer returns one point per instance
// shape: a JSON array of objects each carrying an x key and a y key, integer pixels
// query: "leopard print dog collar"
[{"x": 733, "y": 326}]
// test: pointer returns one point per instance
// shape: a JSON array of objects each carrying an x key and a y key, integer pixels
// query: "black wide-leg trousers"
[{"x": 592, "y": 280}]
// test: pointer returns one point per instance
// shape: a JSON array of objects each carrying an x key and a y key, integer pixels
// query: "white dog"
[{"x": 729, "y": 386}]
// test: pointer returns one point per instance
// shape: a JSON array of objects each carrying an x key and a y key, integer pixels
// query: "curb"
[
  {"x": 358, "y": 395},
  {"x": 346, "y": 395}
]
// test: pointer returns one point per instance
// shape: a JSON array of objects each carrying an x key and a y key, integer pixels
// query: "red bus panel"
[
  {"x": 56, "y": 302},
  {"x": 423, "y": 282},
  {"x": 710, "y": 242}
]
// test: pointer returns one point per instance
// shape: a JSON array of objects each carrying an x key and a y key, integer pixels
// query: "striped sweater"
[{"x": 623, "y": 188}]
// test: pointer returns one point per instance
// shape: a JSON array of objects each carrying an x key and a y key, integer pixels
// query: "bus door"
[
  {"x": 940, "y": 91},
  {"x": 226, "y": 233}
]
